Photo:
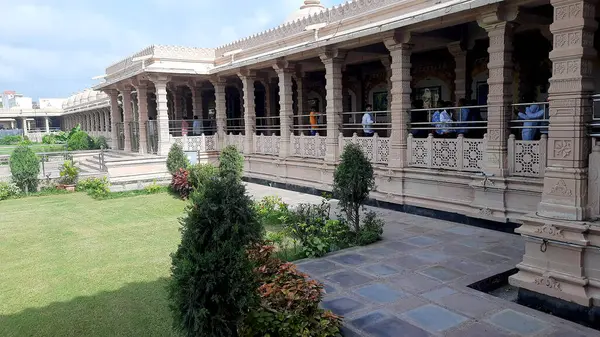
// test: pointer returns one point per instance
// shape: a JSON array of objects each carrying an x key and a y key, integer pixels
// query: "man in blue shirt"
[{"x": 367, "y": 122}]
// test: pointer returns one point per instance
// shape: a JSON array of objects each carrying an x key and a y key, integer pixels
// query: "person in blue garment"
[{"x": 532, "y": 113}]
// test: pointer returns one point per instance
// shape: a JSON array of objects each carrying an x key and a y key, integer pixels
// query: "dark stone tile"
[
  {"x": 417, "y": 229},
  {"x": 347, "y": 332},
  {"x": 517, "y": 322},
  {"x": 434, "y": 318},
  {"x": 380, "y": 293},
  {"x": 463, "y": 230},
  {"x": 349, "y": 278},
  {"x": 468, "y": 304},
  {"x": 422, "y": 241},
  {"x": 442, "y": 273},
  {"x": 400, "y": 246},
  {"x": 381, "y": 269},
  {"x": 431, "y": 256},
  {"x": 480, "y": 329},
  {"x": 457, "y": 249},
  {"x": 342, "y": 306},
  {"x": 488, "y": 259},
  {"x": 408, "y": 262},
  {"x": 509, "y": 252},
  {"x": 318, "y": 267},
  {"x": 367, "y": 319},
  {"x": 379, "y": 251},
  {"x": 567, "y": 333},
  {"x": 417, "y": 284},
  {"x": 437, "y": 294},
  {"x": 350, "y": 259},
  {"x": 466, "y": 266},
  {"x": 328, "y": 289},
  {"x": 392, "y": 327},
  {"x": 474, "y": 243}
]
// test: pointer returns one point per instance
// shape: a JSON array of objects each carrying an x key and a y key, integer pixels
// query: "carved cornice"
[{"x": 499, "y": 16}]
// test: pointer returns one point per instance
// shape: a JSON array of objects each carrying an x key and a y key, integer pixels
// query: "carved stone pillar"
[
  {"x": 47, "y": 124},
  {"x": 106, "y": 120},
  {"x": 387, "y": 64},
  {"x": 197, "y": 101},
  {"x": 248, "y": 77},
  {"x": 115, "y": 117},
  {"x": 400, "y": 51},
  {"x": 25, "y": 128},
  {"x": 221, "y": 109},
  {"x": 162, "y": 114},
  {"x": 177, "y": 106},
  {"x": 460, "y": 70},
  {"x": 333, "y": 60},
  {"x": 127, "y": 116},
  {"x": 301, "y": 94},
  {"x": 285, "y": 72},
  {"x": 142, "y": 104},
  {"x": 500, "y": 66},
  {"x": 565, "y": 268}
]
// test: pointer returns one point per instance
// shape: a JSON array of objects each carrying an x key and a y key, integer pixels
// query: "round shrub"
[
  {"x": 49, "y": 139},
  {"x": 199, "y": 174},
  {"x": 79, "y": 141},
  {"x": 176, "y": 159},
  {"x": 212, "y": 285},
  {"x": 231, "y": 162},
  {"x": 100, "y": 143},
  {"x": 8, "y": 190},
  {"x": 25, "y": 168}
]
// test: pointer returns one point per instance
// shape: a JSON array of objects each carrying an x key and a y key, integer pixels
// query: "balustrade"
[
  {"x": 268, "y": 145},
  {"x": 456, "y": 154},
  {"x": 308, "y": 146}
]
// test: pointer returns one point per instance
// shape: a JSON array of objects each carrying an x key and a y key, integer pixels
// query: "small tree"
[
  {"x": 25, "y": 168},
  {"x": 79, "y": 140},
  {"x": 176, "y": 159},
  {"x": 212, "y": 286},
  {"x": 231, "y": 162},
  {"x": 352, "y": 181}
]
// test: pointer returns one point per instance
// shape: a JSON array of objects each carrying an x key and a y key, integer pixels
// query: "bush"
[
  {"x": 176, "y": 159},
  {"x": 231, "y": 162},
  {"x": 69, "y": 173},
  {"x": 79, "y": 141},
  {"x": 371, "y": 230},
  {"x": 49, "y": 139},
  {"x": 25, "y": 168},
  {"x": 11, "y": 140},
  {"x": 153, "y": 188},
  {"x": 352, "y": 181},
  {"x": 95, "y": 187},
  {"x": 199, "y": 174},
  {"x": 180, "y": 183},
  {"x": 289, "y": 301},
  {"x": 100, "y": 143},
  {"x": 212, "y": 285},
  {"x": 272, "y": 211},
  {"x": 8, "y": 190}
]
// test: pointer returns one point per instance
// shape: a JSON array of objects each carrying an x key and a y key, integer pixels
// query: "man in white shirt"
[
  {"x": 196, "y": 127},
  {"x": 367, "y": 122}
]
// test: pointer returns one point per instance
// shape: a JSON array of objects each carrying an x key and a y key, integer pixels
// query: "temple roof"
[
  {"x": 309, "y": 7},
  {"x": 85, "y": 97}
]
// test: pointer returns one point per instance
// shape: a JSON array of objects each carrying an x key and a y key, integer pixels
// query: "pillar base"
[{"x": 553, "y": 263}]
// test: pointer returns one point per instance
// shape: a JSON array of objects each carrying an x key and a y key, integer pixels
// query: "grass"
[
  {"x": 75, "y": 266},
  {"x": 8, "y": 149}
]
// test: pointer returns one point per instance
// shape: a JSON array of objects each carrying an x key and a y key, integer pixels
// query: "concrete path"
[{"x": 414, "y": 282}]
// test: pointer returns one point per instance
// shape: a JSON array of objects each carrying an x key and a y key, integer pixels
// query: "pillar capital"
[
  {"x": 328, "y": 54},
  {"x": 246, "y": 73},
  {"x": 457, "y": 49},
  {"x": 283, "y": 65},
  {"x": 159, "y": 79},
  {"x": 218, "y": 81},
  {"x": 500, "y": 15},
  {"x": 395, "y": 39},
  {"x": 111, "y": 93}
]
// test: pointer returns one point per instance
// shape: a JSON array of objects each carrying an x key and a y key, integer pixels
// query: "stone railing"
[
  {"x": 459, "y": 154},
  {"x": 268, "y": 145},
  {"x": 527, "y": 158},
  {"x": 377, "y": 149},
  {"x": 201, "y": 143},
  {"x": 235, "y": 140},
  {"x": 308, "y": 146}
]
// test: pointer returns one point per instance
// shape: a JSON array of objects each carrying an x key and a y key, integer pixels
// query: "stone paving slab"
[{"x": 414, "y": 282}]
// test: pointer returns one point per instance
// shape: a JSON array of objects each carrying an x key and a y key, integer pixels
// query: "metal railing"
[
  {"x": 192, "y": 127},
  {"x": 134, "y": 136},
  {"x": 532, "y": 120},
  {"x": 301, "y": 125},
  {"x": 152, "y": 136},
  {"x": 377, "y": 122},
  {"x": 268, "y": 125},
  {"x": 449, "y": 122},
  {"x": 235, "y": 126}
]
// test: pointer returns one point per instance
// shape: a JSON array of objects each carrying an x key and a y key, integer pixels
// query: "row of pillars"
[{"x": 97, "y": 120}]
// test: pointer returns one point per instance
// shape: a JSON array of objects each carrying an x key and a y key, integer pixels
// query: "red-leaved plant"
[
  {"x": 180, "y": 183},
  {"x": 289, "y": 301}
]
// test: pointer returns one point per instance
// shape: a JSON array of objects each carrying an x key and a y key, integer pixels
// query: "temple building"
[{"x": 481, "y": 109}]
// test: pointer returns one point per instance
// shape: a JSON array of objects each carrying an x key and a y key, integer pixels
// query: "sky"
[{"x": 52, "y": 48}]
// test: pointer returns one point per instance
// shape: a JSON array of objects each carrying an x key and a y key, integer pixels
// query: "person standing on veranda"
[
  {"x": 367, "y": 122},
  {"x": 314, "y": 121}
]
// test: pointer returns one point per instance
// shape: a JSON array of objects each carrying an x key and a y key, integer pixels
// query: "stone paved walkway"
[{"x": 414, "y": 282}]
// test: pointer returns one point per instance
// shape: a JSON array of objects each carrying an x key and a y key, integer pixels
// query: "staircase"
[{"x": 130, "y": 171}]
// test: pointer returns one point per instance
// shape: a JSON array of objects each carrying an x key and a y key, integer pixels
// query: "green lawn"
[
  {"x": 8, "y": 149},
  {"x": 74, "y": 266}
]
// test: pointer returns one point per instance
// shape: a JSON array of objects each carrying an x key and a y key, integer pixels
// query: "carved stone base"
[{"x": 553, "y": 263}]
